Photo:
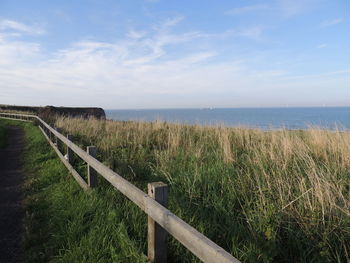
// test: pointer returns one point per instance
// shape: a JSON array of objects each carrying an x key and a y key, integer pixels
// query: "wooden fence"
[{"x": 160, "y": 220}]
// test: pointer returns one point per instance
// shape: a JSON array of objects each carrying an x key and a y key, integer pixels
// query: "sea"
[{"x": 264, "y": 118}]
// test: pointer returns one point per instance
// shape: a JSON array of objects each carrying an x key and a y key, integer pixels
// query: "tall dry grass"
[{"x": 266, "y": 196}]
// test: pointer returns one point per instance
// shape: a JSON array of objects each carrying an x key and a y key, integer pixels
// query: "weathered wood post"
[
  {"x": 92, "y": 174},
  {"x": 69, "y": 150},
  {"x": 157, "y": 236}
]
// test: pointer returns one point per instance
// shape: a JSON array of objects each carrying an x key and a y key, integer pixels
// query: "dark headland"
[{"x": 98, "y": 113}]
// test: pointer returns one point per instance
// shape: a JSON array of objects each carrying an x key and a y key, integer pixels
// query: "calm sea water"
[{"x": 265, "y": 118}]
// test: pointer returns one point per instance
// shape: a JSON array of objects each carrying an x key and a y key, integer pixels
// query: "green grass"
[
  {"x": 277, "y": 196},
  {"x": 63, "y": 223}
]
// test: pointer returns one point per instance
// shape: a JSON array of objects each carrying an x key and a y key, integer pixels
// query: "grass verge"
[{"x": 63, "y": 223}]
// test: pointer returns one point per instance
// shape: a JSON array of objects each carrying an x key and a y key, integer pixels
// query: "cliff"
[{"x": 47, "y": 111}]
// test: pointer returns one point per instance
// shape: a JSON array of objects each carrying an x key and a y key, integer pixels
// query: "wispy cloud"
[
  {"x": 170, "y": 22},
  {"x": 136, "y": 34},
  {"x": 331, "y": 22},
  {"x": 11, "y": 25},
  {"x": 324, "y": 45},
  {"x": 137, "y": 64},
  {"x": 291, "y": 8},
  {"x": 285, "y": 8},
  {"x": 143, "y": 70},
  {"x": 254, "y": 32},
  {"x": 247, "y": 9}
]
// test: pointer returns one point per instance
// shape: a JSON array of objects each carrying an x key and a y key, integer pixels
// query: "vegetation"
[
  {"x": 63, "y": 223},
  {"x": 276, "y": 196}
]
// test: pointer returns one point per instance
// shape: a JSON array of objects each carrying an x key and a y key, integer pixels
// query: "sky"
[{"x": 138, "y": 54}]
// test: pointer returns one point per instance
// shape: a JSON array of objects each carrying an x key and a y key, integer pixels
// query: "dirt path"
[{"x": 11, "y": 211}]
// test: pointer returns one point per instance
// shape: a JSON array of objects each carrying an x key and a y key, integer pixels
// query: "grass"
[
  {"x": 63, "y": 223},
  {"x": 276, "y": 196}
]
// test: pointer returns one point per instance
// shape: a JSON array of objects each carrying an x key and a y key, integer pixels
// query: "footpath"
[{"x": 11, "y": 197}]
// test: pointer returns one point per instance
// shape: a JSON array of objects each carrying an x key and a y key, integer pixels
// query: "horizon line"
[{"x": 215, "y": 108}]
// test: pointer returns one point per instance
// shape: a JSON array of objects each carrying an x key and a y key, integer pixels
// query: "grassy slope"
[
  {"x": 64, "y": 223},
  {"x": 279, "y": 196}
]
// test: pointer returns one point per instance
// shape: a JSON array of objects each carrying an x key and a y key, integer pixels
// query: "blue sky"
[{"x": 175, "y": 54}]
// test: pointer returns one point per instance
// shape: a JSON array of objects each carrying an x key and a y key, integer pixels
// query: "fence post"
[
  {"x": 157, "y": 236},
  {"x": 69, "y": 150},
  {"x": 92, "y": 174}
]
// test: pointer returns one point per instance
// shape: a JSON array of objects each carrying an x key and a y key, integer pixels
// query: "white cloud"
[
  {"x": 140, "y": 72},
  {"x": 254, "y": 32},
  {"x": 15, "y": 53},
  {"x": 169, "y": 23},
  {"x": 291, "y": 8},
  {"x": 284, "y": 8},
  {"x": 86, "y": 68},
  {"x": 11, "y": 25},
  {"x": 324, "y": 45},
  {"x": 247, "y": 9},
  {"x": 251, "y": 32},
  {"x": 136, "y": 34},
  {"x": 331, "y": 22}
]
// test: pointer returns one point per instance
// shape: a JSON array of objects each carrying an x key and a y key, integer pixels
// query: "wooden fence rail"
[{"x": 205, "y": 249}]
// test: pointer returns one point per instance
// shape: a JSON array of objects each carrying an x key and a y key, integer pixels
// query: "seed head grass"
[{"x": 265, "y": 196}]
